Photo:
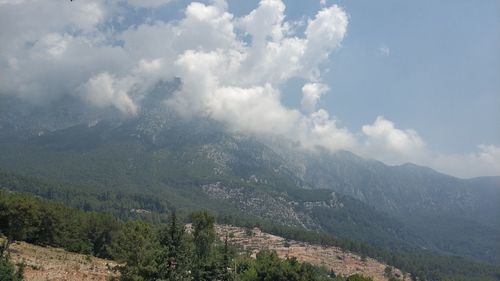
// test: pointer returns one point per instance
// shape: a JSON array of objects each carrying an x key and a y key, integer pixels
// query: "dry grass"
[
  {"x": 334, "y": 258},
  {"x": 47, "y": 263}
]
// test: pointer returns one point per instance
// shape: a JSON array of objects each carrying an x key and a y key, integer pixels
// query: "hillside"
[
  {"x": 48, "y": 263},
  {"x": 333, "y": 258},
  {"x": 198, "y": 163},
  {"x": 27, "y": 217},
  {"x": 296, "y": 140},
  {"x": 54, "y": 264}
]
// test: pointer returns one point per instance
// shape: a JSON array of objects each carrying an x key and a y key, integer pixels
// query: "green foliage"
[
  {"x": 206, "y": 263},
  {"x": 269, "y": 267},
  {"x": 148, "y": 252},
  {"x": 203, "y": 233},
  {"x": 140, "y": 164},
  {"x": 174, "y": 257},
  {"x": 23, "y": 217},
  {"x": 19, "y": 218},
  {"x": 135, "y": 244},
  {"x": 8, "y": 271},
  {"x": 119, "y": 203}
]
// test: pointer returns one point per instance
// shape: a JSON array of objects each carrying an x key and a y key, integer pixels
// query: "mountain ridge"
[{"x": 159, "y": 150}]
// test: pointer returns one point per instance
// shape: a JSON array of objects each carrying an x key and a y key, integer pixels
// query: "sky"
[{"x": 391, "y": 80}]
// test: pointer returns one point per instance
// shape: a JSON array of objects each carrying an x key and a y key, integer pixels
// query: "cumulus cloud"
[
  {"x": 320, "y": 129},
  {"x": 324, "y": 34},
  {"x": 386, "y": 142},
  {"x": 382, "y": 140},
  {"x": 232, "y": 69},
  {"x": 50, "y": 48},
  {"x": 106, "y": 90},
  {"x": 311, "y": 93},
  {"x": 238, "y": 82},
  {"x": 265, "y": 22}
]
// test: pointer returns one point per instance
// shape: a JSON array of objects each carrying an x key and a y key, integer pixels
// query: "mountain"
[
  {"x": 459, "y": 215},
  {"x": 189, "y": 163},
  {"x": 191, "y": 167}
]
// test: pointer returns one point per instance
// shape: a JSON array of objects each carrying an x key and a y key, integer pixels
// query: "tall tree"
[
  {"x": 173, "y": 258},
  {"x": 203, "y": 237},
  {"x": 203, "y": 233},
  {"x": 225, "y": 265},
  {"x": 136, "y": 246}
]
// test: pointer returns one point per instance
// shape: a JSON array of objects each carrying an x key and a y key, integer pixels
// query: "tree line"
[
  {"x": 94, "y": 229},
  {"x": 144, "y": 250}
]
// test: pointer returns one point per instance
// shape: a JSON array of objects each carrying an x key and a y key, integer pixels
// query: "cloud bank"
[{"x": 232, "y": 70}]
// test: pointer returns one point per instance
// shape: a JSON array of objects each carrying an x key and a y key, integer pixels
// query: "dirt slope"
[
  {"x": 51, "y": 264},
  {"x": 334, "y": 258}
]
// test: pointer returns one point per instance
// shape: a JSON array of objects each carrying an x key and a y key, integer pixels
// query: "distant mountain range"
[{"x": 197, "y": 163}]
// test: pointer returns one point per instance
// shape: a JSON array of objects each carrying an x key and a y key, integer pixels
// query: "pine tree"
[
  {"x": 225, "y": 265},
  {"x": 203, "y": 238},
  {"x": 203, "y": 233},
  {"x": 173, "y": 258}
]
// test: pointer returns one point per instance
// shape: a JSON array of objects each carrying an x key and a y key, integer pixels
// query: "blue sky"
[
  {"x": 441, "y": 76},
  {"x": 397, "y": 81},
  {"x": 433, "y": 66}
]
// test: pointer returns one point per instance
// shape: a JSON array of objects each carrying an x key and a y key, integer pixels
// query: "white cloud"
[
  {"x": 148, "y": 3},
  {"x": 243, "y": 105},
  {"x": 57, "y": 64},
  {"x": 265, "y": 23},
  {"x": 484, "y": 161},
  {"x": 231, "y": 69},
  {"x": 324, "y": 34},
  {"x": 254, "y": 109},
  {"x": 27, "y": 20},
  {"x": 238, "y": 83},
  {"x": 105, "y": 90},
  {"x": 384, "y": 51},
  {"x": 321, "y": 130},
  {"x": 383, "y": 141},
  {"x": 386, "y": 142},
  {"x": 50, "y": 48},
  {"x": 311, "y": 93}
]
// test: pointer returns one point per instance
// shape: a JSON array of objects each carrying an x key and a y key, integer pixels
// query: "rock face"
[
  {"x": 333, "y": 258},
  {"x": 46, "y": 263},
  {"x": 261, "y": 204}
]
